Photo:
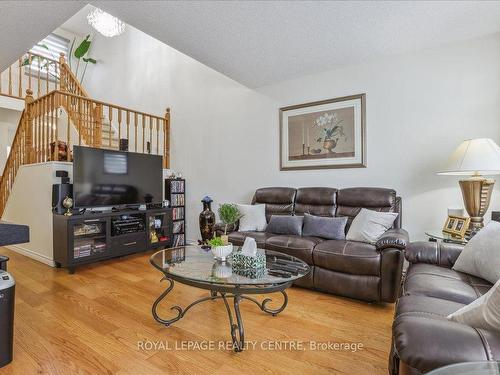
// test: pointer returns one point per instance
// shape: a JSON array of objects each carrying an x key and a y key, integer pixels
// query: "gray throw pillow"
[
  {"x": 368, "y": 226},
  {"x": 481, "y": 256},
  {"x": 331, "y": 228},
  {"x": 291, "y": 225}
]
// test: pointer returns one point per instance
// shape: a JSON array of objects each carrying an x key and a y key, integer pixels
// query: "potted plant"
[
  {"x": 220, "y": 250},
  {"x": 229, "y": 215}
]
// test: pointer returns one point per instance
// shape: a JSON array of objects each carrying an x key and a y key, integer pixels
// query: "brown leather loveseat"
[
  {"x": 351, "y": 269},
  {"x": 423, "y": 338}
]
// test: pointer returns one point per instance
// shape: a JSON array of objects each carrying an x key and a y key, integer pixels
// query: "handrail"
[
  {"x": 12, "y": 164},
  {"x": 21, "y": 76}
]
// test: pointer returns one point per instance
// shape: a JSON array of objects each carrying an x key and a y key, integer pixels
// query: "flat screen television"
[{"x": 111, "y": 178}]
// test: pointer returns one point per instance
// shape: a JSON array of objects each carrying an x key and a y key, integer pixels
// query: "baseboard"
[{"x": 31, "y": 254}]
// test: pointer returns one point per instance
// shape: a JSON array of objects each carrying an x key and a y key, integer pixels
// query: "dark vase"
[{"x": 207, "y": 220}]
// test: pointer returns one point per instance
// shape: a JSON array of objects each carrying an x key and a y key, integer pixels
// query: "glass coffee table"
[{"x": 196, "y": 267}]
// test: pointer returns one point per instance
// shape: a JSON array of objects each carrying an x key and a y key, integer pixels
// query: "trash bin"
[
  {"x": 3, "y": 262},
  {"x": 7, "y": 294}
]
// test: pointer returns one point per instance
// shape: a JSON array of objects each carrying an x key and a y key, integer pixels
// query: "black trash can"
[
  {"x": 3, "y": 262},
  {"x": 7, "y": 295}
]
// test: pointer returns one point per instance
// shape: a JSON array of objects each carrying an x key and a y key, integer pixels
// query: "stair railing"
[{"x": 31, "y": 71}]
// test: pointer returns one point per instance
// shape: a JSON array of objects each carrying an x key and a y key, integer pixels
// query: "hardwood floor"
[{"x": 98, "y": 321}]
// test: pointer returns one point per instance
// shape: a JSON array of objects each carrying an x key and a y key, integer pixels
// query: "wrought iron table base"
[{"x": 225, "y": 293}]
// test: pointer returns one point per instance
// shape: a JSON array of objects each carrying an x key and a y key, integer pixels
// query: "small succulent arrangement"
[
  {"x": 220, "y": 249},
  {"x": 216, "y": 241}
]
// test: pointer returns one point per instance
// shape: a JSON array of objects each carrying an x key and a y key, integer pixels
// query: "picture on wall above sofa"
[{"x": 324, "y": 134}]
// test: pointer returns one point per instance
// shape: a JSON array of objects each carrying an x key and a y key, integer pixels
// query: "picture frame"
[
  {"x": 324, "y": 134},
  {"x": 456, "y": 225}
]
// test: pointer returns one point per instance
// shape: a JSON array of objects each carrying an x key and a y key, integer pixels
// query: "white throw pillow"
[
  {"x": 369, "y": 226},
  {"x": 481, "y": 256},
  {"x": 484, "y": 312},
  {"x": 254, "y": 217}
]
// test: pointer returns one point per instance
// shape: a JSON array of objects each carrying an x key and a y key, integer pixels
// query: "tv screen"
[{"x": 109, "y": 178}]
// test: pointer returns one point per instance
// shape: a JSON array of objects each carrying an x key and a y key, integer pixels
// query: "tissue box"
[
  {"x": 251, "y": 273},
  {"x": 244, "y": 262}
]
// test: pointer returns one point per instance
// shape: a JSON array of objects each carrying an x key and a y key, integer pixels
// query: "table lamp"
[{"x": 475, "y": 158}]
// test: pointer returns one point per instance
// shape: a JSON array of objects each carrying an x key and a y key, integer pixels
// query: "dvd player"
[{"x": 124, "y": 226}]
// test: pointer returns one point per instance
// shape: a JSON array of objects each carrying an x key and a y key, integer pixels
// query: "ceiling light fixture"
[{"x": 105, "y": 23}]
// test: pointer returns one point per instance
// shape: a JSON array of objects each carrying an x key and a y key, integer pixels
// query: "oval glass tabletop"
[
  {"x": 469, "y": 368},
  {"x": 196, "y": 264}
]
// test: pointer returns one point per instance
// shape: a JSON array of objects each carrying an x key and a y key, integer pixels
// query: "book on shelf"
[
  {"x": 178, "y": 240},
  {"x": 177, "y": 186},
  {"x": 178, "y": 213},
  {"x": 177, "y": 199},
  {"x": 178, "y": 227}
]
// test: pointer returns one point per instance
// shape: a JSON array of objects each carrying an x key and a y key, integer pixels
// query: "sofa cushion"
[
  {"x": 480, "y": 255},
  {"x": 368, "y": 226},
  {"x": 319, "y": 201},
  {"x": 426, "y": 341},
  {"x": 253, "y": 217},
  {"x": 297, "y": 246},
  {"x": 278, "y": 200},
  {"x": 281, "y": 224},
  {"x": 349, "y": 257},
  {"x": 439, "y": 282},
  {"x": 482, "y": 313},
  {"x": 332, "y": 228},
  {"x": 350, "y": 201},
  {"x": 238, "y": 238}
]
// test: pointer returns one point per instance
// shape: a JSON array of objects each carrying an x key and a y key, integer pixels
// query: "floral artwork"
[{"x": 327, "y": 134}]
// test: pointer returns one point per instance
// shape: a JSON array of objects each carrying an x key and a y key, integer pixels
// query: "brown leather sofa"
[
  {"x": 423, "y": 339},
  {"x": 351, "y": 269}
]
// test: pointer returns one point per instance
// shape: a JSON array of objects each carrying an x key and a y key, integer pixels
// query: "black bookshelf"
[{"x": 175, "y": 193}]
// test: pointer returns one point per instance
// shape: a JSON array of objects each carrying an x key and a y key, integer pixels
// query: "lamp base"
[{"x": 476, "y": 192}]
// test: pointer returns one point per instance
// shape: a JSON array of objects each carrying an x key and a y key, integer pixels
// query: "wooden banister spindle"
[
  {"x": 20, "y": 78},
  {"x": 157, "y": 136},
  {"x": 110, "y": 117},
  {"x": 28, "y": 126},
  {"x": 143, "y": 133},
  {"x": 10, "y": 80},
  {"x": 166, "y": 135},
  {"x": 128, "y": 126},
  {"x": 119, "y": 125},
  {"x": 30, "y": 60},
  {"x": 98, "y": 126},
  {"x": 135, "y": 129},
  {"x": 62, "y": 74}
]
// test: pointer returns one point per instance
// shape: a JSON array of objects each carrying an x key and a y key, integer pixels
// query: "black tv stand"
[{"x": 90, "y": 238}]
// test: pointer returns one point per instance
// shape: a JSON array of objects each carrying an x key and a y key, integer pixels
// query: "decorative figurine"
[
  {"x": 68, "y": 204},
  {"x": 207, "y": 220}
]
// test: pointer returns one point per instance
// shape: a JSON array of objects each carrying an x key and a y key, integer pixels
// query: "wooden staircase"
[{"x": 63, "y": 114}]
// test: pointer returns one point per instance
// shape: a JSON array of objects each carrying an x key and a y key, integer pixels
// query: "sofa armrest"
[
  {"x": 394, "y": 239},
  {"x": 442, "y": 254}
]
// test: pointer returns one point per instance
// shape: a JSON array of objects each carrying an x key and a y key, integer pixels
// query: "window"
[{"x": 51, "y": 47}]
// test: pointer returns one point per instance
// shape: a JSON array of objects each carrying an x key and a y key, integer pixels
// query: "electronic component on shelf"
[{"x": 127, "y": 225}]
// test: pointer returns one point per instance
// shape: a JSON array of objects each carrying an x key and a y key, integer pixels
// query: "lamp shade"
[{"x": 479, "y": 156}]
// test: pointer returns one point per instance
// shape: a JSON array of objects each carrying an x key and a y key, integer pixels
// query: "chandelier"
[{"x": 105, "y": 23}]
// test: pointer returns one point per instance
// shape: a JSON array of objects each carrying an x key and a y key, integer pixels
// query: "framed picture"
[
  {"x": 326, "y": 134},
  {"x": 456, "y": 226}
]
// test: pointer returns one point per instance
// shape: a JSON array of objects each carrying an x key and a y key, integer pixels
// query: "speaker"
[
  {"x": 59, "y": 192},
  {"x": 123, "y": 144},
  {"x": 495, "y": 215}
]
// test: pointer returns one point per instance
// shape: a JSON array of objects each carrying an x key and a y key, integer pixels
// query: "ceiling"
[{"x": 262, "y": 42}]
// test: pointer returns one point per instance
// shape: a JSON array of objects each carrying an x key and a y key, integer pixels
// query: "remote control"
[
  {"x": 280, "y": 267},
  {"x": 279, "y": 273}
]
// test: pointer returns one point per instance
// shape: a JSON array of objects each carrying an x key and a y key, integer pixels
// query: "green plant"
[
  {"x": 215, "y": 242},
  {"x": 81, "y": 53},
  {"x": 229, "y": 214}
]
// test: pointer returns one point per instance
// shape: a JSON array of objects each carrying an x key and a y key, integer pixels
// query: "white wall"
[
  {"x": 30, "y": 203},
  {"x": 225, "y": 136}
]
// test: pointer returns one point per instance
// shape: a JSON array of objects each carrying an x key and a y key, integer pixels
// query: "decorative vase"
[
  {"x": 222, "y": 270},
  {"x": 329, "y": 145},
  {"x": 207, "y": 220},
  {"x": 222, "y": 252}
]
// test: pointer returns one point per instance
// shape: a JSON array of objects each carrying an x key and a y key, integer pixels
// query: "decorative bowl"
[{"x": 221, "y": 252}]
